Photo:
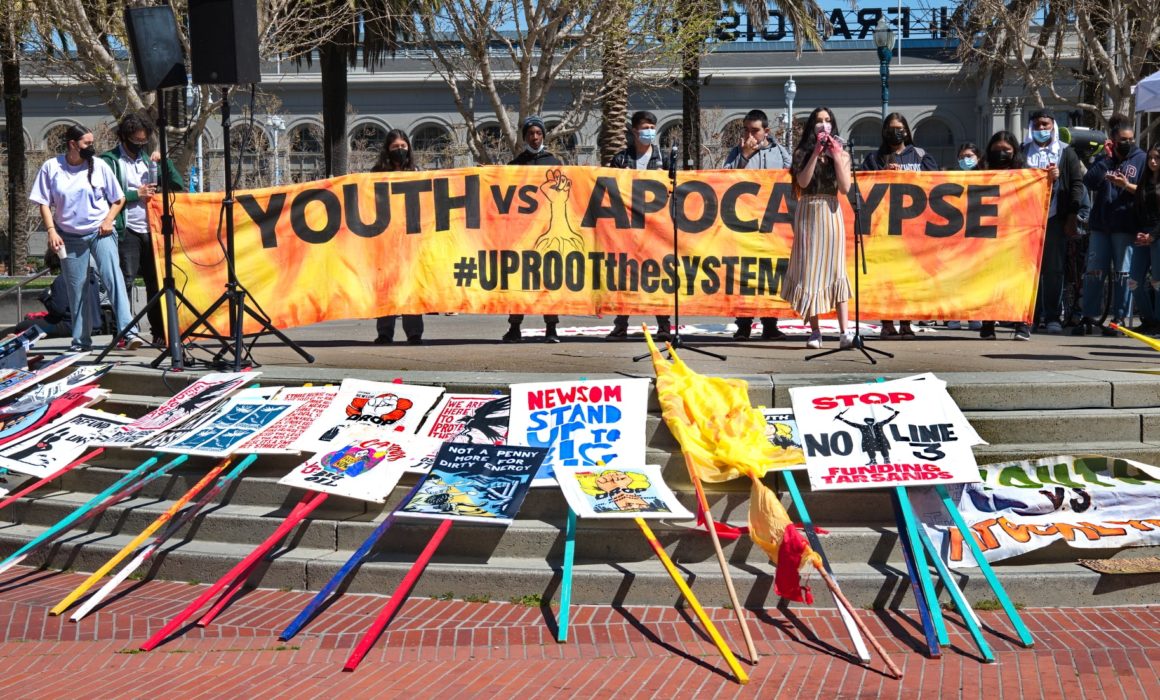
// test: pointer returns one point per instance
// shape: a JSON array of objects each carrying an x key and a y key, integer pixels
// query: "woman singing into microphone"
[{"x": 816, "y": 280}]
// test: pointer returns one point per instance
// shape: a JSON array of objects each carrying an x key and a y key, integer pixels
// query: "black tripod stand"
[
  {"x": 859, "y": 342},
  {"x": 675, "y": 341},
  {"x": 168, "y": 294},
  {"x": 235, "y": 295}
]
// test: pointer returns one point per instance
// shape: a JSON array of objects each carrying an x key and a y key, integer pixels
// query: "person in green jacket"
[{"x": 136, "y": 171}]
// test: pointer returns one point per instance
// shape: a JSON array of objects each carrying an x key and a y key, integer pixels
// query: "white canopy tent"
[{"x": 1148, "y": 94}]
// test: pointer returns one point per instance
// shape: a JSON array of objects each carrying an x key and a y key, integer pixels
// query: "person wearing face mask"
[
  {"x": 968, "y": 159},
  {"x": 534, "y": 153},
  {"x": 131, "y": 164},
  {"x": 79, "y": 199},
  {"x": 816, "y": 280},
  {"x": 1043, "y": 149},
  {"x": 758, "y": 150},
  {"x": 1003, "y": 153},
  {"x": 898, "y": 152},
  {"x": 1111, "y": 178},
  {"x": 396, "y": 157},
  {"x": 644, "y": 153},
  {"x": 1147, "y": 254}
]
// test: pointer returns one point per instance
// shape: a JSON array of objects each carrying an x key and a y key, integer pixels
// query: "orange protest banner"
[{"x": 585, "y": 240}]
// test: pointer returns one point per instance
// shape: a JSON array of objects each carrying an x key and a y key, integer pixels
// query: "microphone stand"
[
  {"x": 859, "y": 343},
  {"x": 675, "y": 336}
]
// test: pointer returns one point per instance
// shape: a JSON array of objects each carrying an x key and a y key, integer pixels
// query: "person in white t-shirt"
[{"x": 79, "y": 199}]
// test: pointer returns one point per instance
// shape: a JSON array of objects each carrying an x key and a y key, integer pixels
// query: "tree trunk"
[
  {"x": 691, "y": 109},
  {"x": 17, "y": 158},
  {"x": 336, "y": 150},
  {"x": 614, "y": 71}
]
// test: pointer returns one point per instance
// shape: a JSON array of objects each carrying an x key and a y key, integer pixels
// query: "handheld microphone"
[{"x": 673, "y": 154}]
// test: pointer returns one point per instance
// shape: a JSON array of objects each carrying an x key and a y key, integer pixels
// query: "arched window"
[
  {"x": 55, "y": 141},
  {"x": 432, "y": 147},
  {"x": 565, "y": 147},
  {"x": 867, "y": 136},
  {"x": 938, "y": 139},
  {"x": 306, "y": 161},
  {"x": 670, "y": 133},
  {"x": 366, "y": 142},
  {"x": 496, "y": 151},
  {"x": 250, "y": 159}
]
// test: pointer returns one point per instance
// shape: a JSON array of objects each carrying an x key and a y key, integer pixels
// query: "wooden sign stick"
[
  {"x": 566, "y": 577},
  {"x": 924, "y": 614},
  {"x": 13, "y": 497},
  {"x": 309, "y": 502},
  {"x": 687, "y": 592},
  {"x": 343, "y": 573},
  {"x": 147, "y": 552},
  {"x": 985, "y": 566},
  {"x": 750, "y": 647},
  {"x": 848, "y": 617},
  {"x": 136, "y": 541},
  {"x": 844, "y": 604},
  {"x": 398, "y": 597}
]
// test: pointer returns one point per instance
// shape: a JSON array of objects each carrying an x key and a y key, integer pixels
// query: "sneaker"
[
  {"x": 414, "y": 340},
  {"x": 513, "y": 335},
  {"x": 77, "y": 347},
  {"x": 772, "y": 333},
  {"x": 384, "y": 340},
  {"x": 815, "y": 341},
  {"x": 1054, "y": 328},
  {"x": 550, "y": 335},
  {"x": 987, "y": 330},
  {"x": 158, "y": 342},
  {"x": 954, "y": 326},
  {"x": 974, "y": 325},
  {"x": 846, "y": 341},
  {"x": 664, "y": 333},
  {"x": 1022, "y": 331},
  {"x": 619, "y": 333},
  {"x": 742, "y": 333},
  {"x": 1109, "y": 332},
  {"x": 133, "y": 341}
]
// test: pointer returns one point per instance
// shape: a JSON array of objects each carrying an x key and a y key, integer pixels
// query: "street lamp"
[
  {"x": 790, "y": 93},
  {"x": 277, "y": 125},
  {"x": 884, "y": 38}
]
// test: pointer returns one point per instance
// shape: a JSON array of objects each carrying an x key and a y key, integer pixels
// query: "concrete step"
[{"x": 637, "y": 583}]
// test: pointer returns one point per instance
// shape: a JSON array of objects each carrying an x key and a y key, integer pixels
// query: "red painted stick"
[
  {"x": 37, "y": 484},
  {"x": 397, "y": 598},
  {"x": 308, "y": 503},
  {"x": 231, "y": 591}
]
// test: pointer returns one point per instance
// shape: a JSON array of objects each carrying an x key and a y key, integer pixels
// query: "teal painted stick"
[
  {"x": 985, "y": 567},
  {"x": 88, "y": 507},
  {"x": 921, "y": 565},
  {"x": 816, "y": 544},
  {"x": 928, "y": 631},
  {"x": 965, "y": 610},
  {"x": 566, "y": 579}
]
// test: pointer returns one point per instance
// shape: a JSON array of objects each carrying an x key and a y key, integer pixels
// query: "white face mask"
[{"x": 529, "y": 149}]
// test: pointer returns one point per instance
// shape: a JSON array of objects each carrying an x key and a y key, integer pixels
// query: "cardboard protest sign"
[
  {"x": 16, "y": 425},
  {"x": 637, "y": 492},
  {"x": 42, "y": 394},
  {"x": 783, "y": 434},
  {"x": 583, "y": 424},
  {"x": 195, "y": 398},
  {"x": 899, "y": 433},
  {"x": 280, "y": 437},
  {"x": 473, "y": 418},
  {"x": 385, "y": 406},
  {"x": 45, "y": 451},
  {"x": 239, "y": 421},
  {"x": 1089, "y": 502},
  {"x": 367, "y": 468},
  {"x": 16, "y": 384},
  {"x": 480, "y": 483}
]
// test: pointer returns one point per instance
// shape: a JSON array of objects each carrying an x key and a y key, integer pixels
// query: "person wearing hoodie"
[
  {"x": 1147, "y": 254},
  {"x": 644, "y": 153},
  {"x": 1003, "y": 153},
  {"x": 534, "y": 153},
  {"x": 898, "y": 152},
  {"x": 758, "y": 150},
  {"x": 1042, "y": 149},
  {"x": 397, "y": 156},
  {"x": 1111, "y": 178}
]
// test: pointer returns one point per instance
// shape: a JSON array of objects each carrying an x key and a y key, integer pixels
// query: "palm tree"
[
  {"x": 614, "y": 72},
  {"x": 12, "y": 29}
]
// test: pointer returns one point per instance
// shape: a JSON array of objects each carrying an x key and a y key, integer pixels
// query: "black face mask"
[
  {"x": 1124, "y": 148},
  {"x": 1001, "y": 157},
  {"x": 895, "y": 136},
  {"x": 88, "y": 152},
  {"x": 398, "y": 156}
]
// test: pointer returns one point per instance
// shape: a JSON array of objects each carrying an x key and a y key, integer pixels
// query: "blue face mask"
[
  {"x": 1042, "y": 136},
  {"x": 968, "y": 163},
  {"x": 646, "y": 136}
]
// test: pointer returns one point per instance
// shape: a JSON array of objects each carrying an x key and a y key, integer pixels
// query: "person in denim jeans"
[
  {"x": 1146, "y": 196},
  {"x": 1003, "y": 153},
  {"x": 79, "y": 199},
  {"x": 1111, "y": 178}
]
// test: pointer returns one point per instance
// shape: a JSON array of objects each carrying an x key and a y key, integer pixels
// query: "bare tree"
[{"x": 1103, "y": 46}]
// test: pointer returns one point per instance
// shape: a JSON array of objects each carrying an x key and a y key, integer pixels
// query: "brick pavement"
[{"x": 500, "y": 649}]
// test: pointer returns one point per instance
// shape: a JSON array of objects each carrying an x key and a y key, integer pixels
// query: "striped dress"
[{"x": 816, "y": 280}]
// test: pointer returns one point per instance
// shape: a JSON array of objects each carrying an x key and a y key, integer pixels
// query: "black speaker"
[
  {"x": 156, "y": 48},
  {"x": 223, "y": 42}
]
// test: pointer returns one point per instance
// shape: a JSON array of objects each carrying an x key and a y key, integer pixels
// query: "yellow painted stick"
[
  {"x": 1150, "y": 342},
  {"x": 132, "y": 546},
  {"x": 730, "y": 659}
]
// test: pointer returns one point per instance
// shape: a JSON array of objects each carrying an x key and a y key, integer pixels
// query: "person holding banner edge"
[
  {"x": 396, "y": 157},
  {"x": 1003, "y": 153},
  {"x": 816, "y": 280}
]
